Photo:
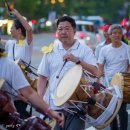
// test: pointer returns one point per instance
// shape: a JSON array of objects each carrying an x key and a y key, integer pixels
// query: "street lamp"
[
  {"x": 60, "y": 1},
  {"x": 53, "y": 1}
]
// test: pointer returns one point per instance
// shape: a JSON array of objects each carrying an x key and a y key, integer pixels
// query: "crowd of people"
[{"x": 111, "y": 56}]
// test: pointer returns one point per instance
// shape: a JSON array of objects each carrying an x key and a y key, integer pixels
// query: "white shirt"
[
  {"x": 114, "y": 59},
  {"x": 98, "y": 48},
  {"x": 23, "y": 52},
  {"x": 11, "y": 73},
  {"x": 52, "y": 62}
]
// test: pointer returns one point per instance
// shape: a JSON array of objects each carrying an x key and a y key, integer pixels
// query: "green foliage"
[
  {"x": 27, "y": 7},
  {"x": 108, "y": 9}
]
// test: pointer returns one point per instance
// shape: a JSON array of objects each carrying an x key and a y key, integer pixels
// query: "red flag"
[{"x": 123, "y": 22}]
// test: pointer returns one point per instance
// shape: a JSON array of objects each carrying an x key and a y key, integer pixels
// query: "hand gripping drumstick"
[{"x": 61, "y": 68}]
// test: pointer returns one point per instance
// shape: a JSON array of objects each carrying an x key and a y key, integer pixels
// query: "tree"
[{"x": 108, "y": 9}]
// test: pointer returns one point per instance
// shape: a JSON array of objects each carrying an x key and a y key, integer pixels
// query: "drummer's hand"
[
  {"x": 59, "y": 117},
  {"x": 70, "y": 57}
]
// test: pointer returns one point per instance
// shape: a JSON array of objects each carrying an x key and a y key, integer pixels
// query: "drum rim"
[
  {"x": 118, "y": 105},
  {"x": 119, "y": 102},
  {"x": 61, "y": 100},
  {"x": 118, "y": 77}
]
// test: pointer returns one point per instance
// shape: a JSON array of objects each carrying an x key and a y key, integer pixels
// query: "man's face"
[
  {"x": 116, "y": 35},
  {"x": 106, "y": 35},
  {"x": 14, "y": 31},
  {"x": 65, "y": 32}
]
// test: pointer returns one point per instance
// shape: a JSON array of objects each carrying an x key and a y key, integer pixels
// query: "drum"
[
  {"x": 32, "y": 82},
  {"x": 35, "y": 123},
  {"x": 6, "y": 104},
  {"x": 11, "y": 121},
  {"x": 99, "y": 109},
  {"x": 117, "y": 80}
]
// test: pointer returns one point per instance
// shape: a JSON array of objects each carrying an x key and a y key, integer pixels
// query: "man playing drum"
[
  {"x": 115, "y": 58},
  {"x": 65, "y": 54},
  {"x": 19, "y": 86}
]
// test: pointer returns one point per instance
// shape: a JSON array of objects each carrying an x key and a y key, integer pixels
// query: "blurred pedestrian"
[
  {"x": 115, "y": 58},
  {"x": 20, "y": 48},
  {"x": 105, "y": 42}
]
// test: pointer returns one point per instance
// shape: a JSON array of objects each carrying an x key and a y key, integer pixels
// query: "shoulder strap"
[{"x": 13, "y": 52}]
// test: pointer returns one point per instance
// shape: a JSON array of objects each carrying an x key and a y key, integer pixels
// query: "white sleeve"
[
  {"x": 7, "y": 46},
  {"x": 43, "y": 68},
  {"x": 25, "y": 41},
  {"x": 18, "y": 79},
  {"x": 89, "y": 57},
  {"x": 97, "y": 51},
  {"x": 101, "y": 59}
]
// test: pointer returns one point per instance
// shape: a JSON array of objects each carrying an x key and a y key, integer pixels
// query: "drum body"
[
  {"x": 11, "y": 121},
  {"x": 100, "y": 109},
  {"x": 6, "y": 104},
  {"x": 126, "y": 88},
  {"x": 123, "y": 81},
  {"x": 32, "y": 82},
  {"x": 35, "y": 123}
]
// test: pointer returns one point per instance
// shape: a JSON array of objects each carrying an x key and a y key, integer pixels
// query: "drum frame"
[{"x": 84, "y": 102}]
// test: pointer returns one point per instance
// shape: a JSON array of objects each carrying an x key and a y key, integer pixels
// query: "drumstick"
[
  {"x": 9, "y": 9},
  {"x": 61, "y": 68},
  {"x": 28, "y": 64}
]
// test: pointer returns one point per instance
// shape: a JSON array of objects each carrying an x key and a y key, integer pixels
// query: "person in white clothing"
[
  {"x": 14, "y": 78},
  {"x": 115, "y": 58},
  {"x": 72, "y": 52},
  {"x": 20, "y": 48},
  {"x": 16, "y": 51},
  {"x": 105, "y": 42}
]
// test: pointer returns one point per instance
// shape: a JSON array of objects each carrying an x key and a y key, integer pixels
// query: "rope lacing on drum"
[
  {"x": 96, "y": 104},
  {"x": 80, "y": 112}
]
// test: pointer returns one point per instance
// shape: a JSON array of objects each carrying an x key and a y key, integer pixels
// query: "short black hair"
[
  {"x": 18, "y": 25},
  {"x": 68, "y": 19}
]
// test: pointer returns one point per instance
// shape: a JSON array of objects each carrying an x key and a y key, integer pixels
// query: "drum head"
[
  {"x": 67, "y": 85},
  {"x": 118, "y": 80}
]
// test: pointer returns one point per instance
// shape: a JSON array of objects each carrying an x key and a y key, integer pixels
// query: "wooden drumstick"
[{"x": 61, "y": 68}]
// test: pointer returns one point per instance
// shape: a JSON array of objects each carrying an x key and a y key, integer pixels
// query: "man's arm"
[
  {"x": 41, "y": 85},
  {"x": 100, "y": 70},
  {"x": 40, "y": 104},
  {"x": 91, "y": 68},
  {"x": 29, "y": 35}
]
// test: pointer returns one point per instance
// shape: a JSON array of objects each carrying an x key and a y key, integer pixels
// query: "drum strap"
[{"x": 14, "y": 54}]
